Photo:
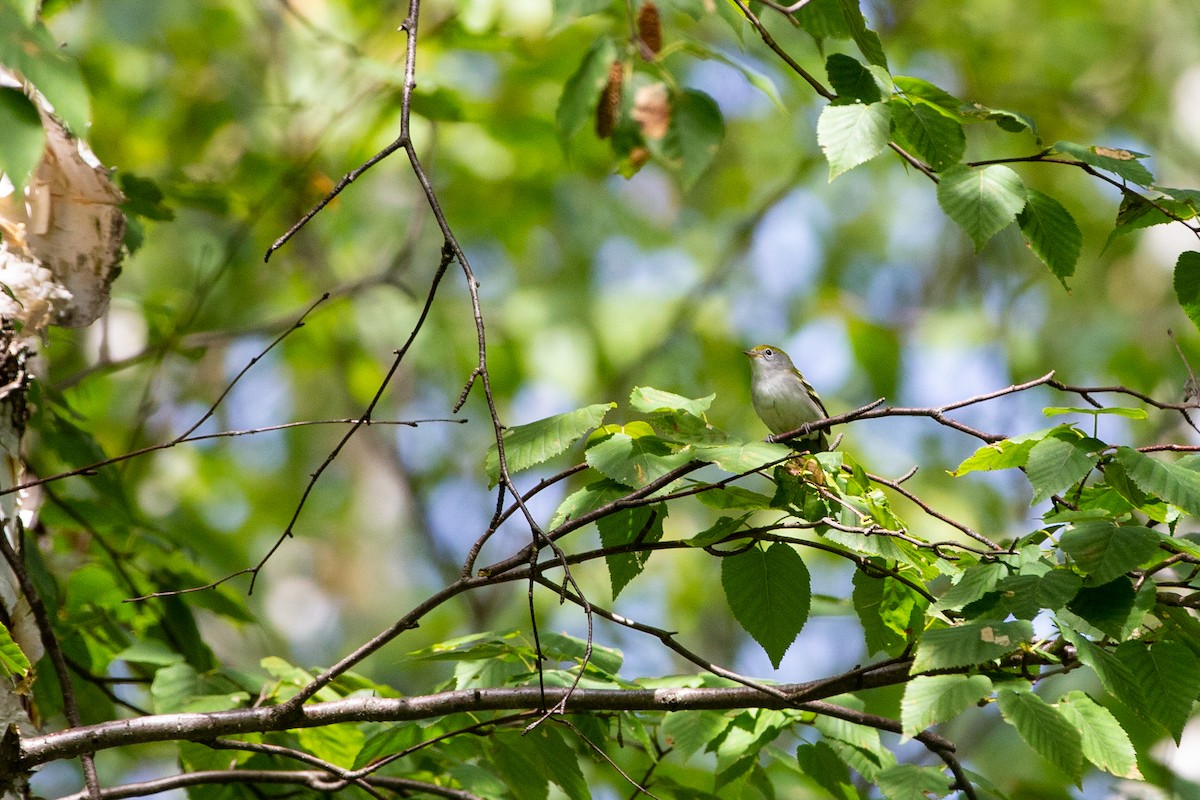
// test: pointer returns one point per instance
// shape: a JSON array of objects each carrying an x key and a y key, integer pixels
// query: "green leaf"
[
  {"x": 1187, "y": 284},
  {"x": 36, "y": 55},
  {"x": 889, "y": 612},
  {"x": 769, "y": 593},
  {"x": 1045, "y": 730},
  {"x": 983, "y": 201},
  {"x": 1111, "y": 608},
  {"x": 821, "y": 763},
  {"x": 338, "y": 744},
  {"x": 929, "y": 699},
  {"x": 1169, "y": 674},
  {"x": 1124, "y": 163},
  {"x": 12, "y": 659},
  {"x": 1004, "y": 454},
  {"x": 928, "y": 134},
  {"x": 691, "y": 731},
  {"x": 1056, "y": 463},
  {"x": 741, "y": 457},
  {"x": 648, "y": 401},
  {"x": 853, "y": 134},
  {"x": 727, "y": 497},
  {"x": 1115, "y": 676},
  {"x": 528, "y": 445},
  {"x": 577, "y": 105},
  {"x": 1128, "y": 413},
  {"x": 976, "y": 581},
  {"x": 1105, "y": 742},
  {"x": 1176, "y": 484},
  {"x": 390, "y": 740},
  {"x": 866, "y": 39},
  {"x": 851, "y": 80},
  {"x": 642, "y": 524},
  {"x": 919, "y": 90},
  {"x": 24, "y": 137},
  {"x": 1105, "y": 551},
  {"x": 823, "y": 19},
  {"x": 524, "y": 773},
  {"x": 723, "y": 527},
  {"x": 591, "y": 497},
  {"x": 1051, "y": 233},
  {"x": 633, "y": 455},
  {"x": 969, "y": 643},
  {"x": 910, "y": 782}
]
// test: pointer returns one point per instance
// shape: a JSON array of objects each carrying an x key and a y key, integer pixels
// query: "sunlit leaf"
[
  {"x": 929, "y": 699},
  {"x": 969, "y": 643},
  {"x": 1045, "y": 730},
  {"x": 528, "y": 445},
  {"x": 982, "y": 200},
  {"x": 853, "y": 134}
]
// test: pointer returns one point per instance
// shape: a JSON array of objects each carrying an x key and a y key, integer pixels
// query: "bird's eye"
[{"x": 768, "y": 352}]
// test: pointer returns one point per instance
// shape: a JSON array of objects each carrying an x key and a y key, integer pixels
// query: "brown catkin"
[
  {"x": 649, "y": 27},
  {"x": 610, "y": 101}
]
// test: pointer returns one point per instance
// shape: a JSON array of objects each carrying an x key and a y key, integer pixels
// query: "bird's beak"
[{"x": 750, "y": 353}]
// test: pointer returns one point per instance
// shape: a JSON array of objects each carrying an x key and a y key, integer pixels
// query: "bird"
[{"x": 782, "y": 398}]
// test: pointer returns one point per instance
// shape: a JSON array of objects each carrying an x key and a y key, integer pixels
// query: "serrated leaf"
[
  {"x": 866, "y": 39},
  {"x": 1056, "y": 463},
  {"x": 982, "y": 200},
  {"x": 689, "y": 732},
  {"x": 821, "y": 763},
  {"x": 528, "y": 445},
  {"x": 1124, "y": 163},
  {"x": 823, "y": 19},
  {"x": 928, "y": 134},
  {"x": 718, "y": 531},
  {"x": 969, "y": 643},
  {"x": 577, "y": 105},
  {"x": 12, "y": 659},
  {"x": 929, "y": 699},
  {"x": 1105, "y": 742},
  {"x": 1128, "y": 413},
  {"x": 853, "y": 134},
  {"x": 1044, "y": 729},
  {"x": 625, "y": 526},
  {"x": 741, "y": 457},
  {"x": 1110, "y": 608},
  {"x": 589, "y": 498},
  {"x": 1178, "y": 485},
  {"x": 1115, "y": 676},
  {"x": 769, "y": 593},
  {"x": 388, "y": 741},
  {"x": 910, "y": 782},
  {"x": 919, "y": 90},
  {"x": 889, "y": 612},
  {"x": 1052, "y": 234},
  {"x": 1005, "y": 454},
  {"x": 634, "y": 456},
  {"x": 1169, "y": 674},
  {"x": 649, "y": 400},
  {"x": 976, "y": 581},
  {"x": 1187, "y": 284},
  {"x": 1105, "y": 551},
  {"x": 30, "y": 50},
  {"x": 851, "y": 80}
]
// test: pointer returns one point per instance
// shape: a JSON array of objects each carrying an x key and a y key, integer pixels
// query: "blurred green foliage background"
[{"x": 244, "y": 114}]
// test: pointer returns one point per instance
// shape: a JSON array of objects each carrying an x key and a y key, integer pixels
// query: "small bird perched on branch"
[{"x": 782, "y": 398}]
